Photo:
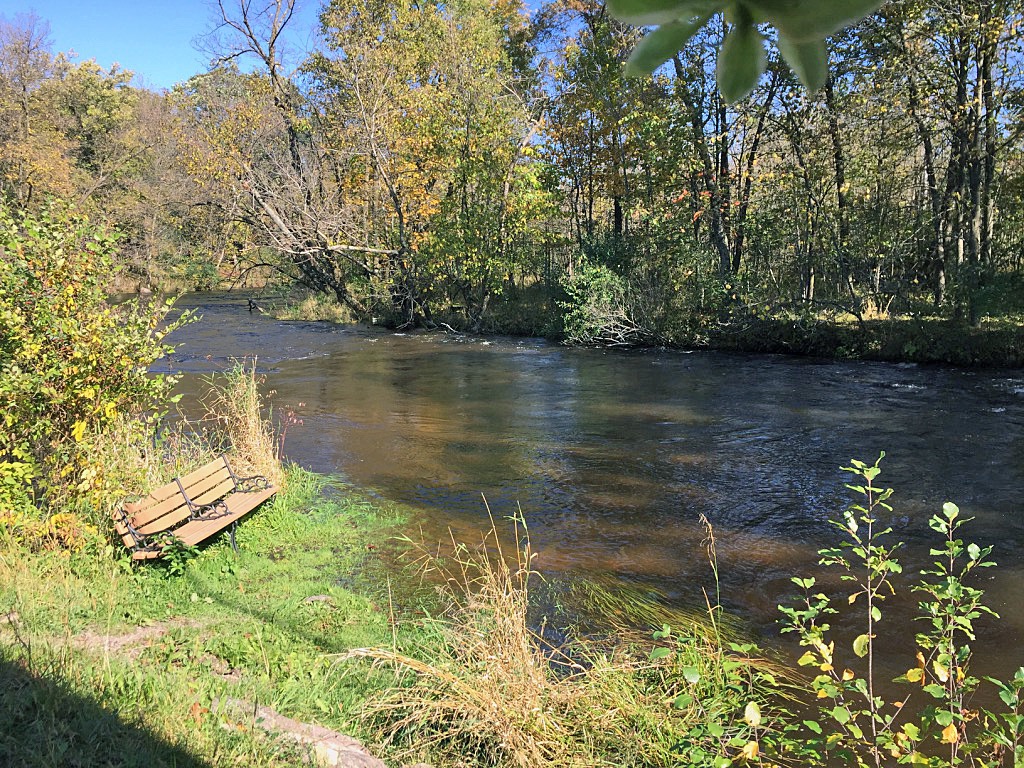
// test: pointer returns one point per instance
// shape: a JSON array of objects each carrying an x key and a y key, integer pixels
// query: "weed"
[{"x": 235, "y": 409}]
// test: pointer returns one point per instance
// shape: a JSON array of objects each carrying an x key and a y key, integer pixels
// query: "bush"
[
  {"x": 932, "y": 720},
  {"x": 602, "y": 309},
  {"x": 70, "y": 361}
]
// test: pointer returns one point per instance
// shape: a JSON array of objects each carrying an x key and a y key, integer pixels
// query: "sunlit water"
[{"x": 613, "y": 457}]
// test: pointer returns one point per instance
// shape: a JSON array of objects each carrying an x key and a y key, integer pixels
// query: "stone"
[{"x": 327, "y": 748}]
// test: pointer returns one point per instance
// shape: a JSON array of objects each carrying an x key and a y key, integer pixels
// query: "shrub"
[
  {"x": 600, "y": 309},
  {"x": 70, "y": 361}
]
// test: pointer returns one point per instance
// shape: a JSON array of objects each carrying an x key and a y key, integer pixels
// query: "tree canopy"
[{"x": 484, "y": 166}]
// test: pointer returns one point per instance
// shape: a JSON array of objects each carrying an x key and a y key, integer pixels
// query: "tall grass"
[
  {"x": 235, "y": 410},
  {"x": 489, "y": 691}
]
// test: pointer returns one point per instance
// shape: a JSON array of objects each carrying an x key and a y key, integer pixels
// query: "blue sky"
[{"x": 152, "y": 38}]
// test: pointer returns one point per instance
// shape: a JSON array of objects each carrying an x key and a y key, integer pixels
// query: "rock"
[{"x": 327, "y": 748}]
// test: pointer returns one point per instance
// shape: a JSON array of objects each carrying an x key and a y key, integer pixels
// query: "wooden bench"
[{"x": 191, "y": 509}]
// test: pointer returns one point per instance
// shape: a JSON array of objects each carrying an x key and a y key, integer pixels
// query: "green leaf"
[
  {"x": 841, "y": 715},
  {"x": 659, "y": 46},
  {"x": 808, "y": 60},
  {"x": 644, "y": 13},
  {"x": 741, "y": 61},
  {"x": 813, "y": 725},
  {"x": 683, "y": 701},
  {"x": 691, "y": 675},
  {"x": 935, "y": 690},
  {"x": 660, "y": 653},
  {"x": 950, "y": 510},
  {"x": 860, "y": 645}
]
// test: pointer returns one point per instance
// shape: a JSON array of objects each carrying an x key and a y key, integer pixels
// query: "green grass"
[
  {"x": 106, "y": 663},
  {"x": 99, "y": 655}
]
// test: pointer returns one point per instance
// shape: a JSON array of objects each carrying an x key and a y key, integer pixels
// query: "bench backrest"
[{"x": 165, "y": 507}]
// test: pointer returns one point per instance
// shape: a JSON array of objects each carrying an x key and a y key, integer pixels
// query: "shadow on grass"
[{"x": 44, "y": 723}]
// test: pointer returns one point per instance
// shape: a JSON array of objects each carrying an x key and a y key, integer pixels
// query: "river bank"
[
  {"x": 105, "y": 663},
  {"x": 231, "y": 658},
  {"x": 996, "y": 342}
]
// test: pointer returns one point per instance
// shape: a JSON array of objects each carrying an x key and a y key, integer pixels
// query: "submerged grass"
[{"x": 487, "y": 690}]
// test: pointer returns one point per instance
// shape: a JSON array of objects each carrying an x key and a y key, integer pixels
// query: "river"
[{"x": 614, "y": 456}]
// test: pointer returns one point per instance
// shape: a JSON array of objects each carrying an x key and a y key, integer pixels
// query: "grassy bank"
[
  {"x": 103, "y": 663},
  {"x": 996, "y": 342}
]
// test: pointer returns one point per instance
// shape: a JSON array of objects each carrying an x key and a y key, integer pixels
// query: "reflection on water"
[{"x": 614, "y": 457}]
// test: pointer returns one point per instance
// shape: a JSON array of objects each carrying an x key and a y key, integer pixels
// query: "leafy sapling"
[{"x": 855, "y": 721}]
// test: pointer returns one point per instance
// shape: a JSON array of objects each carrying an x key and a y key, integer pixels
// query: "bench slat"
[
  {"x": 197, "y": 477},
  {"x": 239, "y": 505},
  {"x": 163, "y": 516},
  {"x": 165, "y": 509}
]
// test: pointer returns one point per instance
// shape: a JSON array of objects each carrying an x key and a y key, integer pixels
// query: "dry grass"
[
  {"x": 493, "y": 693},
  {"x": 235, "y": 410}
]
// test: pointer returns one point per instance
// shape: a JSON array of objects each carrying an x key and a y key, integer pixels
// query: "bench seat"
[{"x": 190, "y": 509}]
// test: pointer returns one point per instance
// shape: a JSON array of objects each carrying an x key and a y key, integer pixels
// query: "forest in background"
[{"x": 475, "y": 164}]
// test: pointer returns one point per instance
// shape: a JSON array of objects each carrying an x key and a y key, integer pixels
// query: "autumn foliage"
[{"x": 71, "y": 362}]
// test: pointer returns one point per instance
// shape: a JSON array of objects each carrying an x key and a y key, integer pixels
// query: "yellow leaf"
[
  {"x": 950, "y": 735},
  {"x": 78, "y": 431},
  {"x": 847, "y": 675},
  {"x": 821, "y": 693},
  {"x": 941, "y": 672},
  {"x": 751, "y": 750},
  {"x": 752, "y": 714}
]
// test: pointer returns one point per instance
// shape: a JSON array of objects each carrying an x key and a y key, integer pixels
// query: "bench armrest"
[
  {"x": 246, "y": 484},
  {"x": 253, "y": 483},
  {"x": 142, "y": 542}
]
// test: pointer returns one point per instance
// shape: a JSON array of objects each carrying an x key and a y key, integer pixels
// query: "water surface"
[{"x": 614, "y": 457}]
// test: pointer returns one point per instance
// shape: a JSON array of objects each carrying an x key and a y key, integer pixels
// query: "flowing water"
[{"x": 613, "y": 457}]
